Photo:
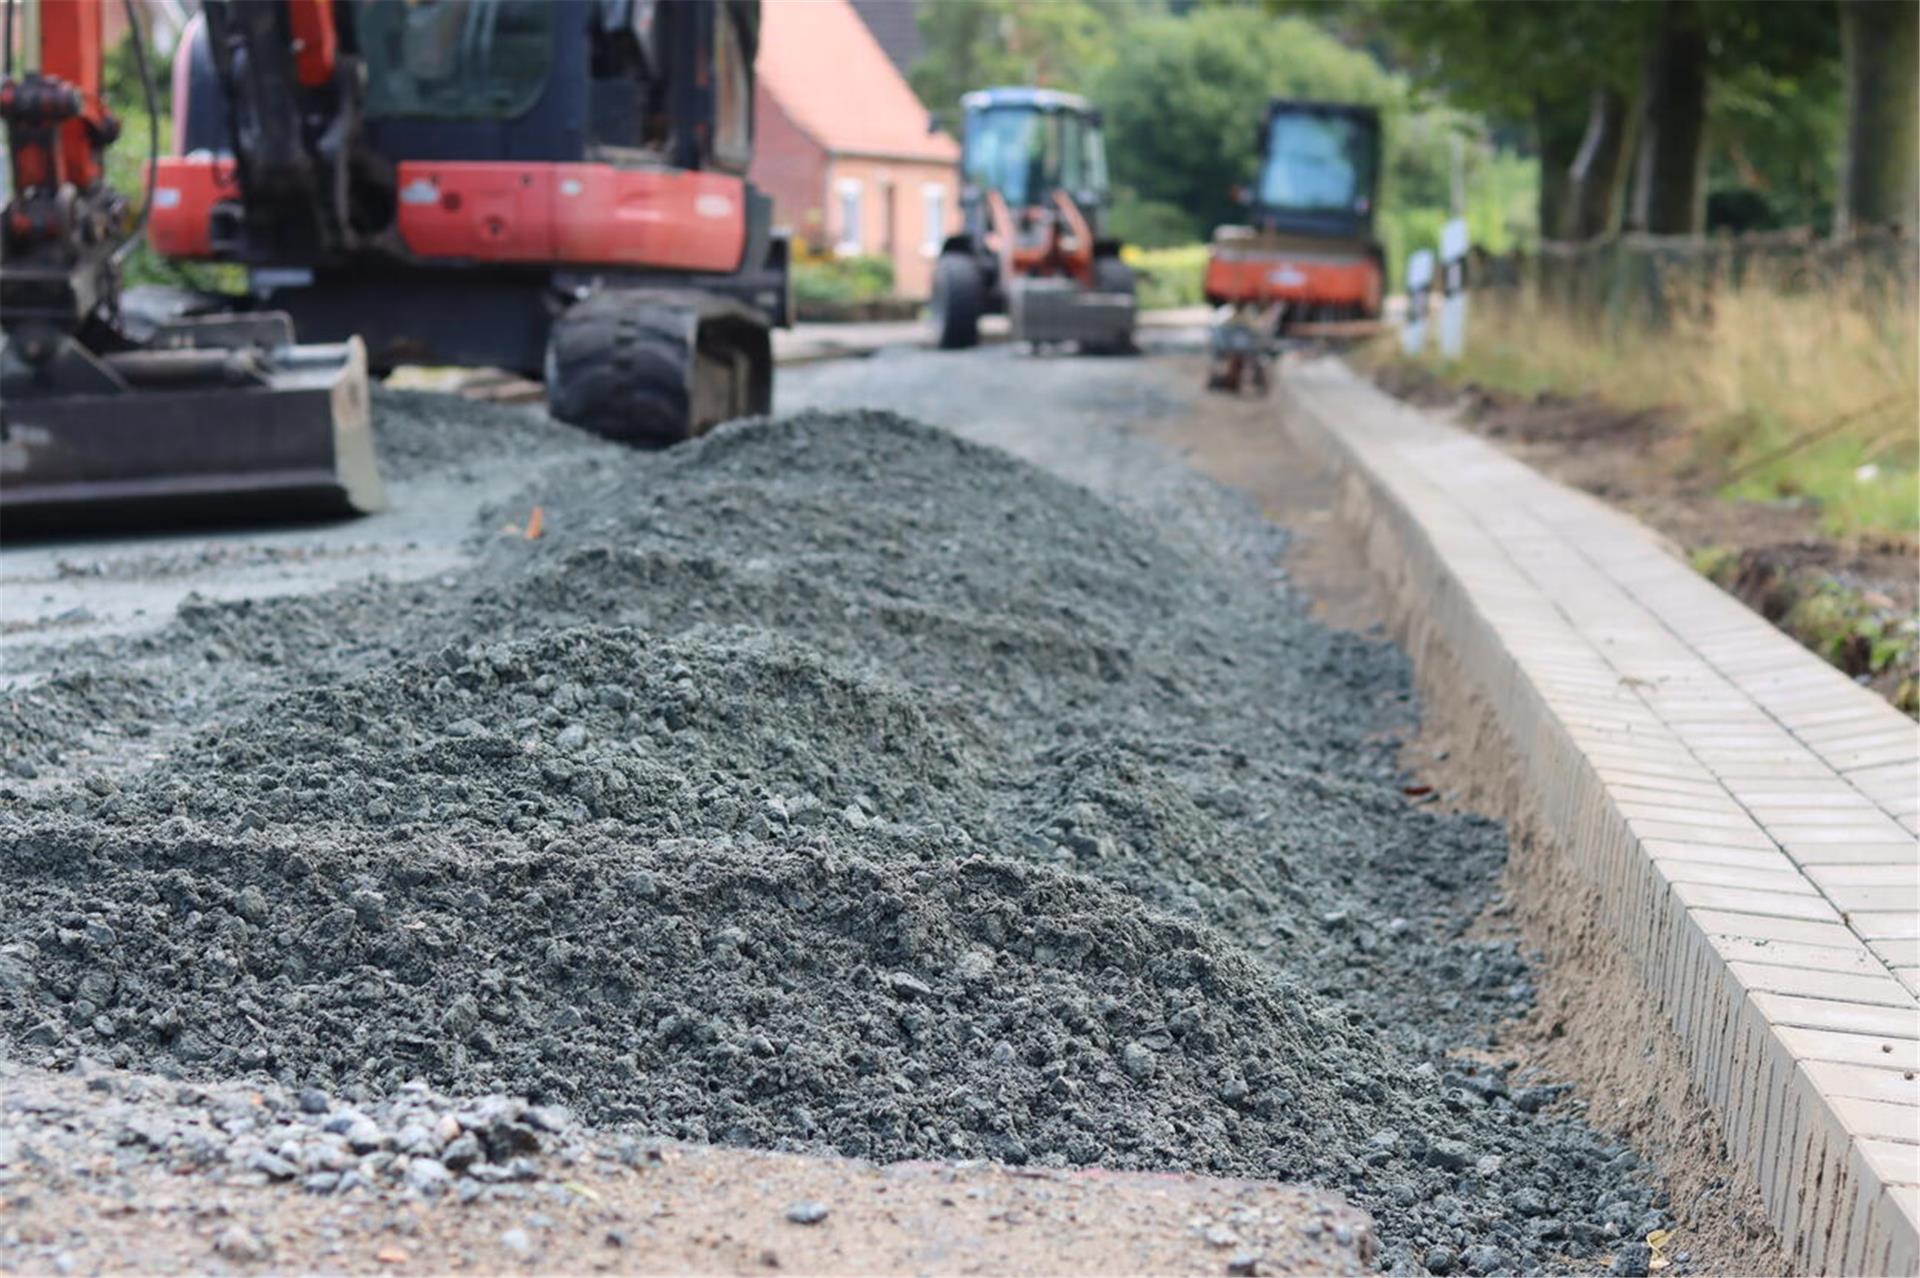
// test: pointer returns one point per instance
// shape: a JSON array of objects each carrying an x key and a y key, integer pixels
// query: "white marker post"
[
  {"x": 1413, "y": 335},
  {"x": 1453, "y": 288}
]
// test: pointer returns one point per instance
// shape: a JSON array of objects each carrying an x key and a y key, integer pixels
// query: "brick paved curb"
[{"x": 1745, "y": 814}]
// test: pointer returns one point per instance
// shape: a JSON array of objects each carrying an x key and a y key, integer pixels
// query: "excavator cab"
[{"x": 1034, "y": 191}]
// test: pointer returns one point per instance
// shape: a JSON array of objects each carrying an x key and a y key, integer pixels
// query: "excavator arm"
[{"x": 104, "y": 423}]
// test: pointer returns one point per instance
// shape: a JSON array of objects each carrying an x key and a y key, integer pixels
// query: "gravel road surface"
[{"x": 835, "y": 785}]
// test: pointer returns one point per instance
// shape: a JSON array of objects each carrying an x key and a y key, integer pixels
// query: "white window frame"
[
  {"x": 933, "y": 210},
  {"x": 849, "y": 196}
]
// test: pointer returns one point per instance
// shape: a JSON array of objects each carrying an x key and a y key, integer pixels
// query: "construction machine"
[
  {"x": 553, "y": 187},
  {"x": 104, "y": 416},
  {"x": 1033, "y": 172},
  {"x": 1306, "y": 262}
]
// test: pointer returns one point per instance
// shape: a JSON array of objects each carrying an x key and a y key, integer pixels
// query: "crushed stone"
[{"x": 829, "y": 783}]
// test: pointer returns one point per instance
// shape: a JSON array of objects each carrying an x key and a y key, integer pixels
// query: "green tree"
[
  {"x": 975, "y": 44},
  {"x": 1880, "y": 179},
  {"x": 1183, "y": 99},
  {"x": 1565, "y": 68}
]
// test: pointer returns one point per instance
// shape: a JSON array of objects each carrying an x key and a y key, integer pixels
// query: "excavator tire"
[
  {"x": 654, "y": 368},
  {"x": 959, "y": 297}
]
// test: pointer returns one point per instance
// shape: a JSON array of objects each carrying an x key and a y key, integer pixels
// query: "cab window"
[{"x": 455, "y": 59}]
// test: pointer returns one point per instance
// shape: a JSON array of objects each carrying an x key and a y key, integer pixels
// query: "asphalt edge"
[{"x": 1841, "y": 1203}]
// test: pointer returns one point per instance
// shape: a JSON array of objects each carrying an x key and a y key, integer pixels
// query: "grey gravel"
[
  {"x": 575, "y": 825},
  {"x": 807, "y": 1213}
]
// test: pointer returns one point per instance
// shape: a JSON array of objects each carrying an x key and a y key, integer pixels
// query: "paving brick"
[
  {"x": 1862, "y": 904},
  {"x": 1897, "y": 1164},
  {"x": 1836, "y": 1079},
  {"x": 1893, "y": 925},
  {"x": 1749, "y": 837},
  {"x": 1875, "y": 1051},
  {"x": 1877, "y": 989},
  {"x": 1855, "y": 960},
  {"x": 1884, "y": 830},
  {"x": 1904, "y": 853},
  {"x": 1888, "y": 874},
  {"x": 1878, "y": 1120},
  {"x": 1788, "y": 880},
  {"x": 1787, "y": 905},
  {"x": 1892, "y": 1023},
  {"x": 1758, "y": 927},
  {"x": 1753, "y": 858},
  {"x": 1899, "y": 953}
]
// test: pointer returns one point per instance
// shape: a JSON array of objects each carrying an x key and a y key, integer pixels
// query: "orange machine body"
[
  {"x": 1050, "y": 239},
  {"x": 66, "y": 122},
  {"x": 1263, "y": 275},
  {"x": 587, "y": 214}
]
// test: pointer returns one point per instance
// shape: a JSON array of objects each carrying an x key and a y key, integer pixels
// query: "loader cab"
[
  {"x": 1319, "y": 169},
  {"x": 1025, "y": 144}
]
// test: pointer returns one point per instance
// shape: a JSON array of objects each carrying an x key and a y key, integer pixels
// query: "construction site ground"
[{"x": 948, "y": 821}]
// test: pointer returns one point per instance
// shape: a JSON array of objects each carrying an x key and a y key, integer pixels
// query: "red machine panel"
[
  {"x": 185, "y": 189},
  {"x": 587, "y": 213},
  {"x": 1297, "y": 280}
]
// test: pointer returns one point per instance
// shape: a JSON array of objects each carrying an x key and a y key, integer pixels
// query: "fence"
[{"x": 1648, "y": 280}]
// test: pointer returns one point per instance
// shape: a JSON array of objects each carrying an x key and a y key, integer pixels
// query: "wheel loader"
[
  {"x": 554, "y": 187},
  {"x": 1033, "y": 174}
]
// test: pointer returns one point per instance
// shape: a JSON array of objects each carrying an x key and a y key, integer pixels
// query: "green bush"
[
  {"x": 840, "y": 281},
  {"x": 1168, "y": 276},
  {"x": 1151, "y": 224}
]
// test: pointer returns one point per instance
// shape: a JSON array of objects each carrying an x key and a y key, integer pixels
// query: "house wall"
[
  {"x": 894, "y": 213},
  {"x": 791, "y": 168}
]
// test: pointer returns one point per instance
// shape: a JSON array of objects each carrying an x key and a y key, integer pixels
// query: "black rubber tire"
[
  {"x": 959, "y": 298},
  {"x": 620, "y": 366}
]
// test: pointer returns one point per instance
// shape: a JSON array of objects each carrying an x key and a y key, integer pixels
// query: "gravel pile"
[{"x": 827, "y": 783}]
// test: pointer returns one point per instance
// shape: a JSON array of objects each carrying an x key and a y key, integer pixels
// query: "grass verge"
[{"x": 1806, "y": 397}]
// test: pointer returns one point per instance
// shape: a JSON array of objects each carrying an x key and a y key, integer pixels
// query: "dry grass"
[{"x": 1784, "y": 394}]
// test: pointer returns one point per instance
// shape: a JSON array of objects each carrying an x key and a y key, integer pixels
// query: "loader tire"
[
  {"x": 655, "y": 368},
  {"x": 959, "y": 297}
]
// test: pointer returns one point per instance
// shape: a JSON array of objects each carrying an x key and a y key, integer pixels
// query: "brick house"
[{"x": 843, "y": 146}]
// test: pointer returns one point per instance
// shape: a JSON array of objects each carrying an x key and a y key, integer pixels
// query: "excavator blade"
[{"x": 213, "y": 426}]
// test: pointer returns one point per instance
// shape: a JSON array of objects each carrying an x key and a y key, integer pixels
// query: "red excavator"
[{"x": 555, "y": 187}]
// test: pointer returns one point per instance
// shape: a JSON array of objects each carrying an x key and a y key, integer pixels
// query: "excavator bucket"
[
  {"x": 214, "y": 420},
  {"x": 1059, "y": 310}
]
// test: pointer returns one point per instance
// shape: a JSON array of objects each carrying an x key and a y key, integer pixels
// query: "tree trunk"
[
  {"x": 1670, "y": 178},
  {"x": 1598, "y": 170},
  {"x": 1558, "y": 133},
  {"x": 1880, "y": 172}
]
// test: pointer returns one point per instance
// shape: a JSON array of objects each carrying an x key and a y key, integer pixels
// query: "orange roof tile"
[{"x": 831, "y": 77}]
